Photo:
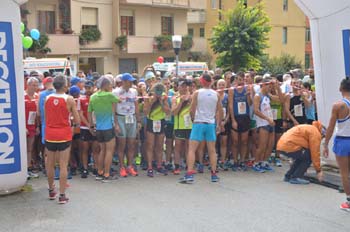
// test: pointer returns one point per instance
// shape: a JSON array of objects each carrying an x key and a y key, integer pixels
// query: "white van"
[
  {"x": 51, "y": 65},
  {"x": 190, "y": 68}
]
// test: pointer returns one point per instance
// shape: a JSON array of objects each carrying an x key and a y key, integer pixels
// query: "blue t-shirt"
[{"x": 42, "y": 99}]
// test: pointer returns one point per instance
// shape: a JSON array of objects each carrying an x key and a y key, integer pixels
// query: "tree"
[
  {"x": 241, "y": 37},
  {"x": 280, "y": 65},
  {"x": 40, "y": 45}
]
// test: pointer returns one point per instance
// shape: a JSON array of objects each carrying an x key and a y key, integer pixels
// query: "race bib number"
[
  {"x": 129, "y": 119},
  {"x": 157, "y": 126},
  {"x": 298, "y": 110},
  {"x": 188, "y": 121},
  {"x": 31, "y": 118},
  {"x": 242, "y": 108},
  {"x": 274, "y": 114}
]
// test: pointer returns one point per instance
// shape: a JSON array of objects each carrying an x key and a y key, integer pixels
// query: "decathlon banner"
[
  {"x": 13, "y": 154},
  {"x": 329, "y": 24}
]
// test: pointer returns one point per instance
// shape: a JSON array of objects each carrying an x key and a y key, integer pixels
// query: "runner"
[
  {"x": 74, "y": 91},
  {"x": 87, "y": 140},
  {"x": 182, "y": 122},
  {"x": 206, "y": 109},
  {"x": 239, "y": 101},
  {"x": 103, "y": 105},
  {"x": 129, "y": 123},
  {"x": 340, "y": 118},
  {"x": 156, "y": 107},
  {"x": 265, "y": 123},
  {"x": 32, "y": 127},
  {"x": 58, "y": 134}
]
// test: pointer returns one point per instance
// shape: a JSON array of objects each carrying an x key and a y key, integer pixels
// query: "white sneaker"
[{"x": 31, "y": 175}]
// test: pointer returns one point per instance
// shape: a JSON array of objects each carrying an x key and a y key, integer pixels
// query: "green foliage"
[
  {"x": 241, "y": 37},
  {"x": 121, "y": 41},
  {"x": 280, "y": 65},
  {"x": 90, "y": 34},
  {"x": 164, "y": 42},
  {"x": 40, "y": 45}
]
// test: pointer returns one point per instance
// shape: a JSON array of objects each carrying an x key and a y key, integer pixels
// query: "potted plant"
[
  {"x": 90, "y": 34},
  {"x": 163, "y": 42},
  {"x": 187, "y": 43},
  {"x": 121, "y": 42},
  {"x": 65, "y": 26}
]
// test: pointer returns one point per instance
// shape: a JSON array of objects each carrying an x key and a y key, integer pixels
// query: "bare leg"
[
  {"x": 223, "y": 148},
  {"x": 263, "y": 140},
  {"x": 110, "y": 148},
  {"x": 343, "y": 163},
  {"x": 150, "y": 146},
  {"x": 169, "y": 143},
  {"x": 244, "y": 146},
  {"x": 121, "y": 151},
  {"x": 235, "y": 145},
  {"x": 212, "y": 155},
  {"x": 131, "y": 143},
  {"x": 30, "y": 144},
  {"x": 64, "y": 159},
  {"x": 84, "y": 153},
  {"x": 50, "y": 167},
  {"x": 95, "y": 152},
  {"x": 159, "y": 141},
  {"x": 269, "y": 147},
  {"x": 193, "y": 145},
  {"x": 101, "y": 159}
]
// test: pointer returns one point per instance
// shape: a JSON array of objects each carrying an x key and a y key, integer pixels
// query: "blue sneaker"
[
  {"x": 278, "y": 162},
  {"x": 162, "y": 170},
  {"x": 187, "y": 179},
  {"x": 144, "y": 165},
  {"x": 169, "y": 167},
  {"x": 200, "y": 168},
  {"x": 227, "y": 165},
  {"x": 267, "y": 167},
  {"x": 258, "y": 168},
  {"x": 242, "y": 166},
  {"x": 57, "y": 173},
  {"x": 298, "y": 181},
  {"x": 150, "y": 173},
  {"x": 214, "y": 177}
]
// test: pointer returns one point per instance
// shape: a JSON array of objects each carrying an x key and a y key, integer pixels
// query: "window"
[
  {"x": 307, "y": 60},
  {"x": 190, "y": 31},
  {"x": 201, "y": 32},
  {"x": 285, "y": 5},
  {"x": 88, "y": 17},
  {"x": 46, "y": 21},
  {"x": 307, "y": 35},
  {"x": 127, "y": 22},
  {"x": 285, "y": 35},
  {"x": 167, "y": 25},
  {"x": 213, "y": 4}
]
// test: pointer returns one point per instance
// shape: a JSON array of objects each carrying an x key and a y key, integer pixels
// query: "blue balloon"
[{"x": 35, "y": 34}]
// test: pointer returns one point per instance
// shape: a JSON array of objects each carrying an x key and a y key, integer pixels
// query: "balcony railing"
[
  {"x": 196, "y": 17},
  {"x": 161, "y": 3}
]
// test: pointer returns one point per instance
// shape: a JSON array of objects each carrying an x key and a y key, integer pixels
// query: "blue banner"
[
  {"x": 346, "y": 48},
  {"x": 10, "y": 152}
]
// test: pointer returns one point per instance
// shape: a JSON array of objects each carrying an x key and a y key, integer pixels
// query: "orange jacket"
[{"x": 303, "y": 136}]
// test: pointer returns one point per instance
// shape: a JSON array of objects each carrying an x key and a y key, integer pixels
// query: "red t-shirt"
[
  {"x": 30, "y": 105},
  {"x": 83, "y": 106}
]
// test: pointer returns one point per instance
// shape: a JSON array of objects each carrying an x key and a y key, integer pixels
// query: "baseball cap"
[
  {"x": 76, "y": 80},
  {"x": 149, "y": 75},
  {"x": 89, "y": 84},
  {"x": 74, "y": 90},
  {"x": 127, "y": 77},
  {"x": 47, "y": 80}
]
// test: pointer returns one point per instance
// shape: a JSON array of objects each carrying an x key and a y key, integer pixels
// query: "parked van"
[
  {"x": 190, "y": 68},
  {"x": 51, "y": 65}
]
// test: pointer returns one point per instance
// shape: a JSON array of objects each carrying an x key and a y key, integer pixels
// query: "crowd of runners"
[{"x": 164, "y": 124}]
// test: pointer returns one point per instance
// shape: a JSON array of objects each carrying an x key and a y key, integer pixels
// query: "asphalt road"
[{"x": 241, "y": 201}]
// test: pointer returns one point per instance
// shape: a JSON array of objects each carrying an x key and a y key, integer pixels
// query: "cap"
[
  {"x": 127, "y": 77},
  {"x": 149, "y": 75},
  {"x": 118, "y": 78},
  {"x": 47, "y": 80},
  {"x": 74, "y": 90},
  {"x": 89, "y": 84},
  {"x": 142, "y": 80},
  {"x": 76, "y": 80}
]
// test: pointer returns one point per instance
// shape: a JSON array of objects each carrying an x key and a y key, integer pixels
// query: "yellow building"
[
  {"x": 286, "y": 19},
  {"x": 139, "y": 20}
]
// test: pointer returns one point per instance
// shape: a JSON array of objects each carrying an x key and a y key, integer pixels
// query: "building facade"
[
  {"x": 138, "y": 22},
  {"x": 288, "y": 25}
]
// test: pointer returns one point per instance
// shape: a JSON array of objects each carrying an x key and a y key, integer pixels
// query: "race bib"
[
  {"x": 129, "y": 119},
  {"x": 242, "y": 108},
  {"x": 298, "y": 110},
  {"x": 31, "y": 118},
  {"x": 274, "y": 114},
  {"x": 157, "y": 126},
  {"x": 188, "y": 121}
]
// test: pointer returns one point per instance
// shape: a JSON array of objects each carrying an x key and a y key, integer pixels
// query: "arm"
[
  {"x": 250, "y": 90},
  {"x": 314, "y": 145},
  {"x": 73, "y": 110},
  {"x": 257, "y": 111},
  {"x": 279, "y": 97},
  {"x": 194, "y": 105},
  {"x": 230, "y": 108},
  {"x": 331, "y": 125},
  {"x": 288, "y": 114},
  {"x": 175, "y": 107},
  {"x": 165, "y": 104},
  {"x": 219, "y": 113},
  {"x": 305, "y": 98}
]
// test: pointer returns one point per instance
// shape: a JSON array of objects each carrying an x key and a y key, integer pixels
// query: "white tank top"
[
  {"x": 126, "y": 105},
  {"x": 343, "y": 125},
  {"x": 265, "y": 108},
  {"x": 206, "y": 106}
]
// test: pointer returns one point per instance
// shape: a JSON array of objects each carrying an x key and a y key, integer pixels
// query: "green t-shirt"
[{"x": 101, "y": 103}]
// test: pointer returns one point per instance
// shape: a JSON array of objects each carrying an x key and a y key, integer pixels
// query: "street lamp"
[{"x": 177, "y": 40}]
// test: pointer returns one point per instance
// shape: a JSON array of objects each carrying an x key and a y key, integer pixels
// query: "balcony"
[
  {"x": 138, "y": 44},
  {"x": 196, "y": 17},
  {"x": 199, "y": 45},
  {"x": 198, "y": 4},
  {"x": 160, "y": 3},
  {"x": 63, "y": 44}
]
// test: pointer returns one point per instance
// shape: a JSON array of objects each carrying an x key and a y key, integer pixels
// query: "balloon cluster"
[{"x": 27, "y": 41}]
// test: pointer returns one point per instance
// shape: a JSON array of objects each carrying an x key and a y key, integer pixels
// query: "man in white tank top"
[
  {"x": 205, "y": 110},
  {"x": 341, "y": 118}
]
